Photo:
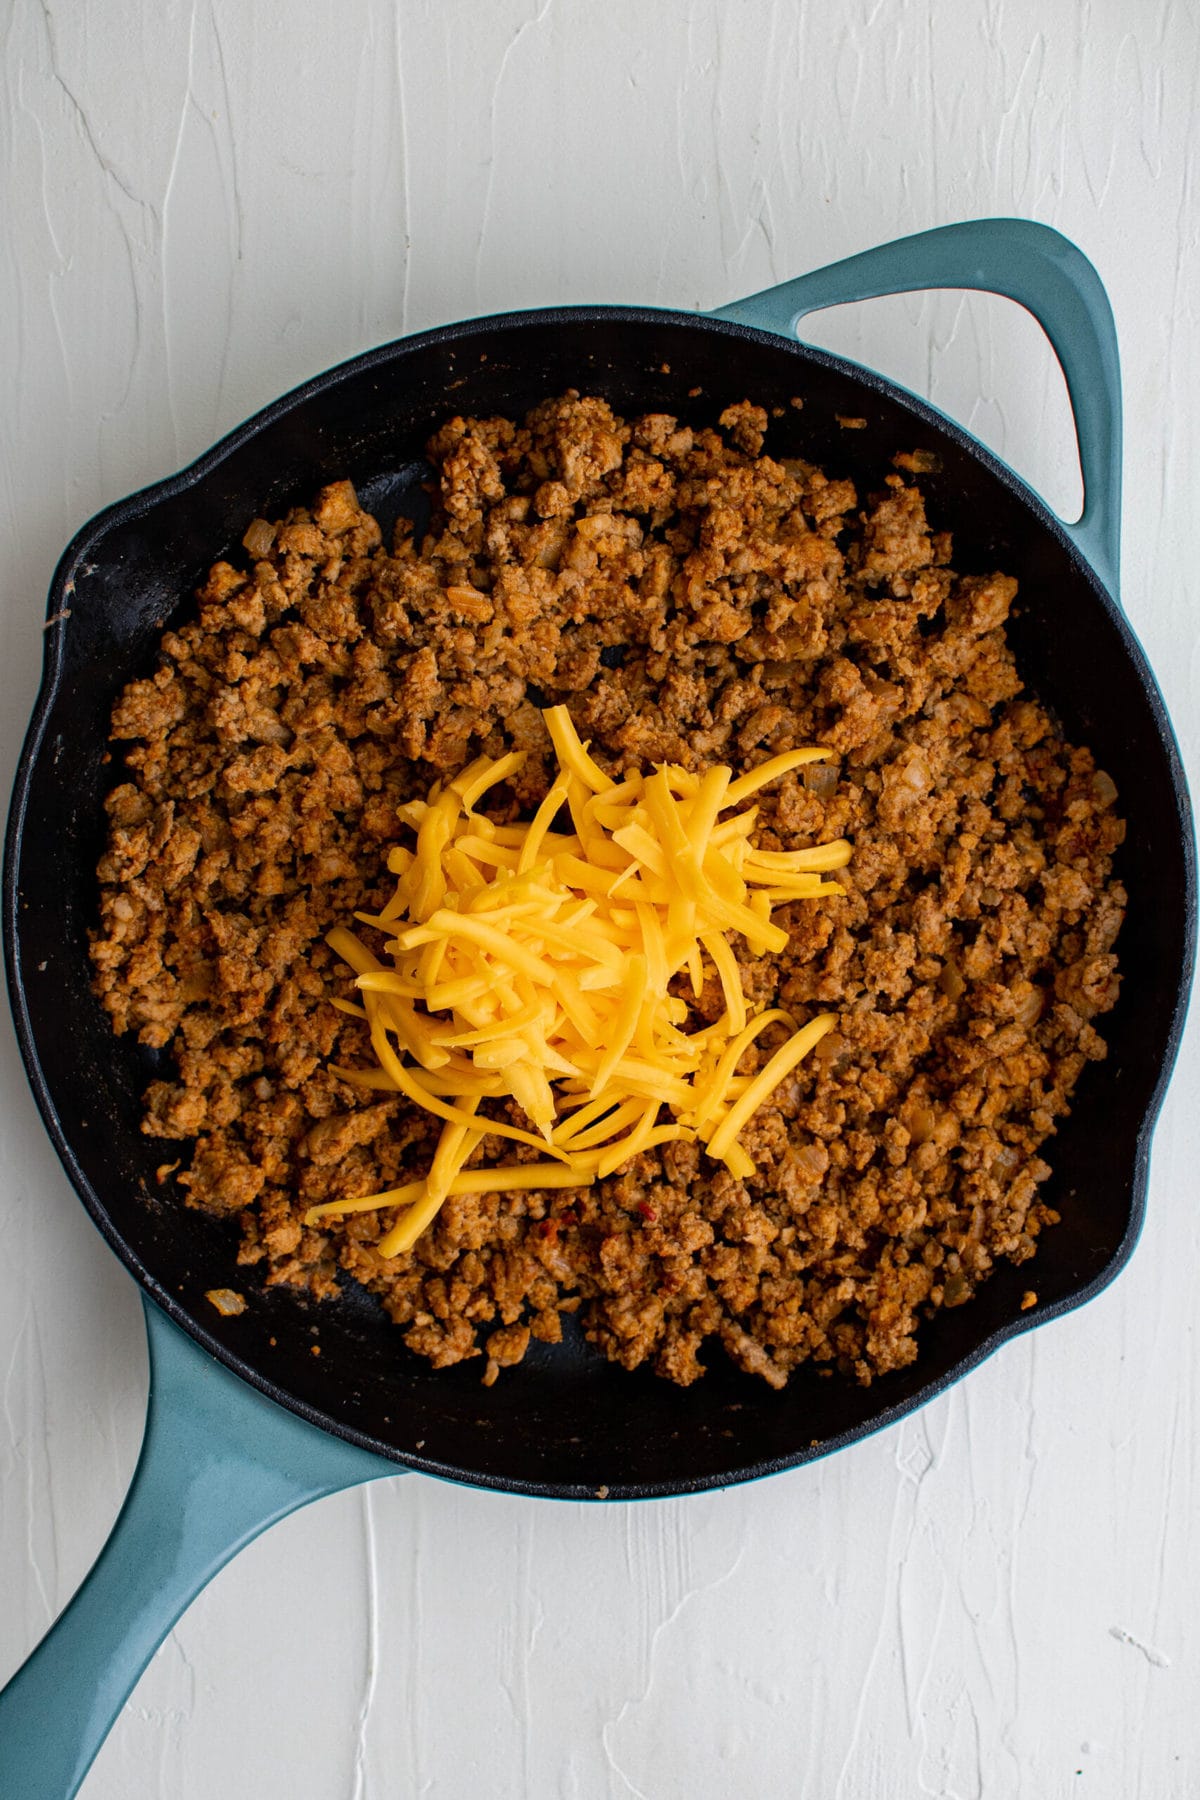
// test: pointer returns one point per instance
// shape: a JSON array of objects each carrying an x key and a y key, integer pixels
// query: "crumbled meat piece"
[{"x": 694, "y": 600}]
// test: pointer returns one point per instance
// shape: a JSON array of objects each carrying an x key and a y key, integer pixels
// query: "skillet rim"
[{"x": 144, "y": 500}]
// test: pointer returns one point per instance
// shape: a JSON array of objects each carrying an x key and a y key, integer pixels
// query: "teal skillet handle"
[
  {"x": 218, "y": 1464},
  {"x": 1032, "y": 264}
]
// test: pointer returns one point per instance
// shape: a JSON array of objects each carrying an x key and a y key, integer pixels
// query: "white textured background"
[{"x": 200, "y": 208}]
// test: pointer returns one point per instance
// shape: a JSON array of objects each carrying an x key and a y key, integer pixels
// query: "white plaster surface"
[{"x": 200, "y": 207}]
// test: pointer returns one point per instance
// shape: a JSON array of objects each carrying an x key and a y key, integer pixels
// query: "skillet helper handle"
[
  {"x": 1044, "y": 272},
  {"x": 218, "y": 1464}
]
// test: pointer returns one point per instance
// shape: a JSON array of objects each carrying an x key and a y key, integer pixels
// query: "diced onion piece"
[{"x": 228, "y": 1302}]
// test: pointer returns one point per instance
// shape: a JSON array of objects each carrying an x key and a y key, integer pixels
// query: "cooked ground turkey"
[{"x": 692, "y": 600}]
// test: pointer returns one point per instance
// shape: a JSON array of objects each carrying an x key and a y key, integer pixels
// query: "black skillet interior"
[{"x": 567, "y": 1423}]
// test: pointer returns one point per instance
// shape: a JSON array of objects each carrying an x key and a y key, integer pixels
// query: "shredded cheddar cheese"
[{"x": 532, "y": 964}]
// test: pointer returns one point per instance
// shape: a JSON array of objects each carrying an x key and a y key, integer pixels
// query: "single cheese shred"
[{"x": 532, "y": 964}]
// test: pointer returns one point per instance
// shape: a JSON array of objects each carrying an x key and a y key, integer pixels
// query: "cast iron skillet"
[{"x": 220, "y": 1460}]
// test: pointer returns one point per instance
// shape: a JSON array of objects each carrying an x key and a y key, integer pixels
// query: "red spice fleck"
[
  {"x": 647, "y": 1211},
  {"x": 548, "y": 1228}
]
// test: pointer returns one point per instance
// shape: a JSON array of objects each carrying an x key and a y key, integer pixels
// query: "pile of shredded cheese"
[{"x": 532, "y": 965}]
